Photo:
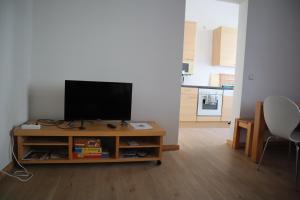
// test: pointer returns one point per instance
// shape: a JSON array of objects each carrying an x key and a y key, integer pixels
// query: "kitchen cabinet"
[
  {"x": 224, "y": 46},
  {"x": 188, "y": 104},
  {"x": 227, "y": 108},
  {"x": 189, "y": 43},
  {"x": 218, "y": 80}
]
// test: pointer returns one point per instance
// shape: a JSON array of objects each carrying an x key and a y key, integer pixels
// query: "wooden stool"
[{"x": 248, "y": 125}]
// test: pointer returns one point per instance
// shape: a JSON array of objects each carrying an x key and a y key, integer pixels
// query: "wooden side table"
[{"x": 248, "y": 125}]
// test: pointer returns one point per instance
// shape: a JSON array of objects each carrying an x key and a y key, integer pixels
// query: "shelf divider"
[{"x": 70, "y": 150}]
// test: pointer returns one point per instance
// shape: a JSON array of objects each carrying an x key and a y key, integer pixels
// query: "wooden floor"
[
  {"x": 204, "y": 125},
  {"x": 205, "y": 168}
]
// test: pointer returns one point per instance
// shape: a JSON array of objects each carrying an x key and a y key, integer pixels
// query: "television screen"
[{"x": 88, "y": 100}]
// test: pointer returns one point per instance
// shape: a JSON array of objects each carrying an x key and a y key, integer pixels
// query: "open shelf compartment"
[
  {"x": 86, "y": 149},
  {"x": 139, "y": 142},
  {"x": 44, "y": 153},
  {"x": 139, "y": 153},
  {"x": 45, "y": 141}
]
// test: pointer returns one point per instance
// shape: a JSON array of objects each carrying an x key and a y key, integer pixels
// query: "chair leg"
[
  {"x": 263, "y": 153},
  {"x": 290, "y": 148},
  {"x": 297, "y": 165}
]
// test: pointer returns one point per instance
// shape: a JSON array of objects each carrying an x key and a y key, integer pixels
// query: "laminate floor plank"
[{"x": 204, "y": 168}]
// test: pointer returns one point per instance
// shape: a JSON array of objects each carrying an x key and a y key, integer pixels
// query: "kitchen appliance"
[
  {"x": 187, "y": 68},
  {"x": 210, "y": 102}
]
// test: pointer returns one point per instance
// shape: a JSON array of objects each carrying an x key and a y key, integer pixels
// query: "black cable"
[
  {"x": 49, "y": 122},
  {"x": 69, "y": 126}
]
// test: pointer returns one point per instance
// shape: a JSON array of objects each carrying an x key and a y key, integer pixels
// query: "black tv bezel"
[{"x": 68, "y": 118}]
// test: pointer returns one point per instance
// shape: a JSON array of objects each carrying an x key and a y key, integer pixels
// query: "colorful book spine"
[
  {"x": 89, "y": 155},
  {"x": 105, "y": 155},
  {"x": 86, "y": 150},
  {"x": 92, "y": 155},
  {"x": 87, "y": 142}
]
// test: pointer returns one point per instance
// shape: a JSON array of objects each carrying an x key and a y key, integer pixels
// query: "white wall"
[
  {"x": 239, "y": 72},
  {"x": 15, "y": 54},
  {"x": 209, "y": 14},
  {"x": 272, "y": 52},
  {"x": 137, "y": 41}
]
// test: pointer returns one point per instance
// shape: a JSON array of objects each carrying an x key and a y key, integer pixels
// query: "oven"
[{"x": 210, "y": 102}]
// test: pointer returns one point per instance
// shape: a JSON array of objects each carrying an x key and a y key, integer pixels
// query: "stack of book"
[
  {"x": 46, "y": 154},
  {"x": 87, "y": 148},
  {"x": 134, "y": 153}
]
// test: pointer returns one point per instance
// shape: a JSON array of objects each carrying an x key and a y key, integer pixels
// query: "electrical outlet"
[{"x": 251, "y": 76}]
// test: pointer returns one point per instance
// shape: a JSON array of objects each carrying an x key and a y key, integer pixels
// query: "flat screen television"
[{"x": 89, "y": 100}]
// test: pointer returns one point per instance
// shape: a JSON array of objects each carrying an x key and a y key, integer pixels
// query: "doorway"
[{"x": 212, "y": 69}]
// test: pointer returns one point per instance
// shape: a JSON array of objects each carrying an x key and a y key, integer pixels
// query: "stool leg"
[
  {"x": 236, "y": 135},
  {"x": 248, "y": 147}
]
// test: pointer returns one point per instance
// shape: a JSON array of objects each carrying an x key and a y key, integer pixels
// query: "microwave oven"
[{"x": 187, "y": 68}]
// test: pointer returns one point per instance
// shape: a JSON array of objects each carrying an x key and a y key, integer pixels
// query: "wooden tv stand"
[{"x": 51, "y": 137}]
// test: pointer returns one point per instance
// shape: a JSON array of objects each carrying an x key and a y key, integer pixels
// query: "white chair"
[{"x": 282, "y": 116}]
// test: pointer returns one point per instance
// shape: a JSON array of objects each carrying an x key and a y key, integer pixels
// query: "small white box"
[
  {"x": 31, "y": 126},
  {"x": 140, "y": 125}
]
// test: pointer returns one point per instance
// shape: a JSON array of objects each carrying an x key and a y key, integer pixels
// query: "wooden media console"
[{"x": 115, "y": 141}]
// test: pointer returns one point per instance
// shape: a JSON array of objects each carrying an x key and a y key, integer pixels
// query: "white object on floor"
[
  {"x": 140, "y": 125},
  {"x": 31, "y": 126},
  {"x": 22, "y": 175}
]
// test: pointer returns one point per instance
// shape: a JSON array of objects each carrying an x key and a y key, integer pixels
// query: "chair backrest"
[{"x": 282, "y": 115}]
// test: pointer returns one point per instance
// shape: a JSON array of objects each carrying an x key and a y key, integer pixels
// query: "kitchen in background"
[{"x": 209, "y": 59}]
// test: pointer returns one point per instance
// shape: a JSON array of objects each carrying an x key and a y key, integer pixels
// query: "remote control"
[{"x": 111, "y": 126}]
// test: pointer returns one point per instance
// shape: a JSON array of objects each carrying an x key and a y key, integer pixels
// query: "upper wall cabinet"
[
  {"x": 189, "y": 40},
  {"x": 224, "y": 46}
]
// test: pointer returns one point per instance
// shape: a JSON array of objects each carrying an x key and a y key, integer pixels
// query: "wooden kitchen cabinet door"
[
  {"x": 189, "y": 43},
  {"x": 224, "y": 46},
  {"x": 227, "y": 108},
  {"x": 218, "y": 80},
  {"x": 188, "y": 104}
]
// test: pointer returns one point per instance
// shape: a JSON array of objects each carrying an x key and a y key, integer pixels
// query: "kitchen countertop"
[{"x": 209, "y": 87}]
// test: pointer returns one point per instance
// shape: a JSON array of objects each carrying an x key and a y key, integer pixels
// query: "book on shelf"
[
  {"x": 87, "y": 147},
  {"x": 133, "y": 143},
  {"x": 133, "y": 153},
  {"x": 87, "y": 150},
  {"x": 35, "y": 155},
  {"x": 87, "y": 142},
  {"x": 105, "y": 154},
  {"x": 91, "y": 155},
  {"x": 57, "y": 155},
  {"x": 84, "y": 154},
  {"x": 45, "y": 154}
]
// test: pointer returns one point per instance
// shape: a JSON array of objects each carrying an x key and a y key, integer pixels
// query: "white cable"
[{"x": 22, "y": 175}]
